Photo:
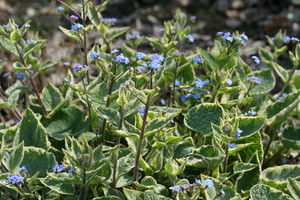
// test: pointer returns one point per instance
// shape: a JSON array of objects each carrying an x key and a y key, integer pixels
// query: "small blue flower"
[
  {"x": 193, "y": 18},
  {"x": 66, "y": 79},
  {"x": 252, "y": 112},
  {"x": 121, "y": 59},
  {"x": 231, "y": 145},
  {"x": 15, "y": 179},
  {"x": 134, "y": 34},
  {"x": 114, "y": 51},
  {"x": 161, "y": 30},
  {"x": 79, "y": 67},
  {"x": 222, "y": 192},
  {"x": 208, "y": 183},
  {"x": 198, "y": 181},
  {"x": 154, "y": 65},
  {"x": 163, "y": 102},
  {"x": 74, "y": 17},
  {"x": 185, "y": 186},
  {"x": 99, "y": 123},
  {"x": 140, "y": 69},
  {"x": 238, "y": 134},
  {"x": 142, "y": 110},
  {"x": 189, "y": 37},
  {"x": 70, "y": 171},
  {"x": 140, "y": 55},
  {"x": 20, "y": 75},
  {"x": 177, "y": 82},
  {"x": 27, "y": 25},
  {"x": 59, "y": 9},
  {"x": 219, "y": 33},
  {"x": 157, "y": 58},
  {"x": 110, "y": 20},
  {"x": 295, "y": 39},
  {"x": 197, "y": 60},
  {"x": 58, "y": 168},
  {"x": 286, "y": 39},
  {"x": 6, "y": 74},
  {"x": 176, "y": 189},
  {"x": 199, "y": 83},
  {"x": 228, "y": 81},
  {"x": 30, "y": 41},
  {"x": 255, "y": 59},
  {"x": 254, "y": 79},
  {"x": 23, "y": 168},
  {"x": 66, "y": 63},
  {"x": 16, "y": 121},
  {"x": 77, "y": 26},
  {"x": 282, "y": 96},
  {"x": 244, "y": 36},
  {"x": 94, "y": 55}
]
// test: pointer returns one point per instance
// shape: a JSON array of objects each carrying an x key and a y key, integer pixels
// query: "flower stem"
[
  {"x": 83, "y": 188},
  {"x": 139, "y": 150},
  {"x": 87, "y": 102}
]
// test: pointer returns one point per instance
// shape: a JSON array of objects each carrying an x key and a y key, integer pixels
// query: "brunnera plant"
[{"x": 155, "y": 123}]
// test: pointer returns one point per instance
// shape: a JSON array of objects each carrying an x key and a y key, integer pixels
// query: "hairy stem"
[
  {"x": 83, "y": 187},
  {"x": 85, "y": 39},
  {"x": 87, "y": 102}
]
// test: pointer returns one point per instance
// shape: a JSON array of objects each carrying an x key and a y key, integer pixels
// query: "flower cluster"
[
  {"x": 77, "y": 26},
  {"x": 207, "y": 183},
  {"x": 238, "y": 133},
  {"x": 200, "y": 84},
  {"x": 155, "y": 61},
  {"x": 79, "y": 67},
  {"x": 110, "y": 20},
  {"x": 58, "y": 168},
  {"x": 94, "y": 55},
  {"x": 140, "y": 55},
  {"x": 229, "y": 37},
  {"x": 133, "y": 35},
  {"x": 197, "y": 60},
  {"x": 15, "y": 179},
  {"x": 194, "y": 95},
  {"x": 121, "y": 59}
]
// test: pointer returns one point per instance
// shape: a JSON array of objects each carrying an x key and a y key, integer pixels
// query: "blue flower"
[
  {"x": 198, "y": 181},
  {"x": 231, "y": 145},
  {"x": 194, "y": 95},
  {"x": 154, "y": 65},
  {"x": 114, "y": 51},
  {"x": 254, "y": 79},
  {"x": 94, "y": 55},
  {"x": 66, "y": 63},
  {"x": 282, "y": 96},
  {"x": 6, "y": 74},
  {"x": 134, "y": 34},
  {"x": 27, "y": 25},
  {"x": 222, "y": 192},
  {"x": 175, "y": 189},
  {"x": 255, "y": 59},
  {"x": 66, "y": 79},
  {"x": 199, "y": 83},
  {"x": 121, "y": 59},
  {"x": 142, "y": 110},
  {"x": 208, "y": 183},
  {"x": 177, "y": 82},
  {"x": 252, "y": 112},
  {"x": 30, "y": 41},
  {"x": 161, "y": 30},
  {"x": 219, "y": 33},
  {"x": 20, "y": 75},
  {"x": 162, "y": 101},
  {"x": 58, "y": 168},
  {"x": 77, "y": 26},
  {"x": 140, "y": 69},
  {"x": 79, "y": 67},
  {"x": 16, "y": 121},
  {"x": 110, "y": 20},
  {"x": 197, "y": 60},
  {"x": 238, "y": 134},
  {"x": 295, "y": 39},
  {"x": 227, "y": 36},
  {"x": 286, "y": 39},
  {"x": 23, "y": 168},
  {"x": 74, "y": 17},
  {"x": 228, "y": 81},
  {"x": 140, "y": 55},
  {"x": 185, "y": 186},
  {"x": 70, "y": 171},
  {"x": 15, "y": 179},
  {"x": 60, "y": 8},
  {"x": 189, "y": 37},
  {"x": 157, "y": 58},
  {"x": 244, "y": 36}
]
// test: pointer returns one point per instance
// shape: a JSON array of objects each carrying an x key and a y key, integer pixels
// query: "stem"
[
  {"x": 32, "y": 82},
  {"x": 269, "y": 144},
  {"x": 28, "y": 189},
  {"x": 174, "y": 85},
  {"x": 88, "y": 103},
  {"x": 116, "y": 151},
  {"x": 82, "y": 190},
  {"x": 226, "y": 159},
  {"x": 21, "y": 190},
  {"x": 288, "y": 81},
  {"x": 138, "y": 154},
  {"x": 14, "y": 111},
  {"x": 84, "y": 40}
]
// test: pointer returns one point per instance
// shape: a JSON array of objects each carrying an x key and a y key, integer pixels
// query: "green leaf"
[
  {"x": 72, "y": 34},
  {"x": 282, "y": 73},
  {"x": 67, "y": 121},
  {"x": 92, "y": 14},
  {"x": 279, "y": 111},
  {"x": 31, "y": 131},
  {"x": 58, "y": 186},
  {"x": 33, "y": 46},
  {"x": 267, "y": 81},
  {"x": 247, "y": 180},
  {"x": 16, "y": 157},
  {"x": 38, "y": 160},
  {"x": 261, "y": 191},
  {"x": 51, "y": 97},
  {"x": 265, "y": 55},
  {"x": 291, "y": 138},
  {"x": 294, "y": 188},
  {"x": 208, "y": 58},
  {"x": 46, "y": 65},
  {"x": 155, "y": 125},
  {"x": 8, "y": 45},
  {"x": 278, "y": 176},
  {"x": 137, "y": 195},
  {"x": 113, "y": 33},
  {"x": 250, "y": 125},
  {"x": 243, "y": 167},
  {"x": 200, "y": 118},
  {"x": 109, "y": 114}
]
